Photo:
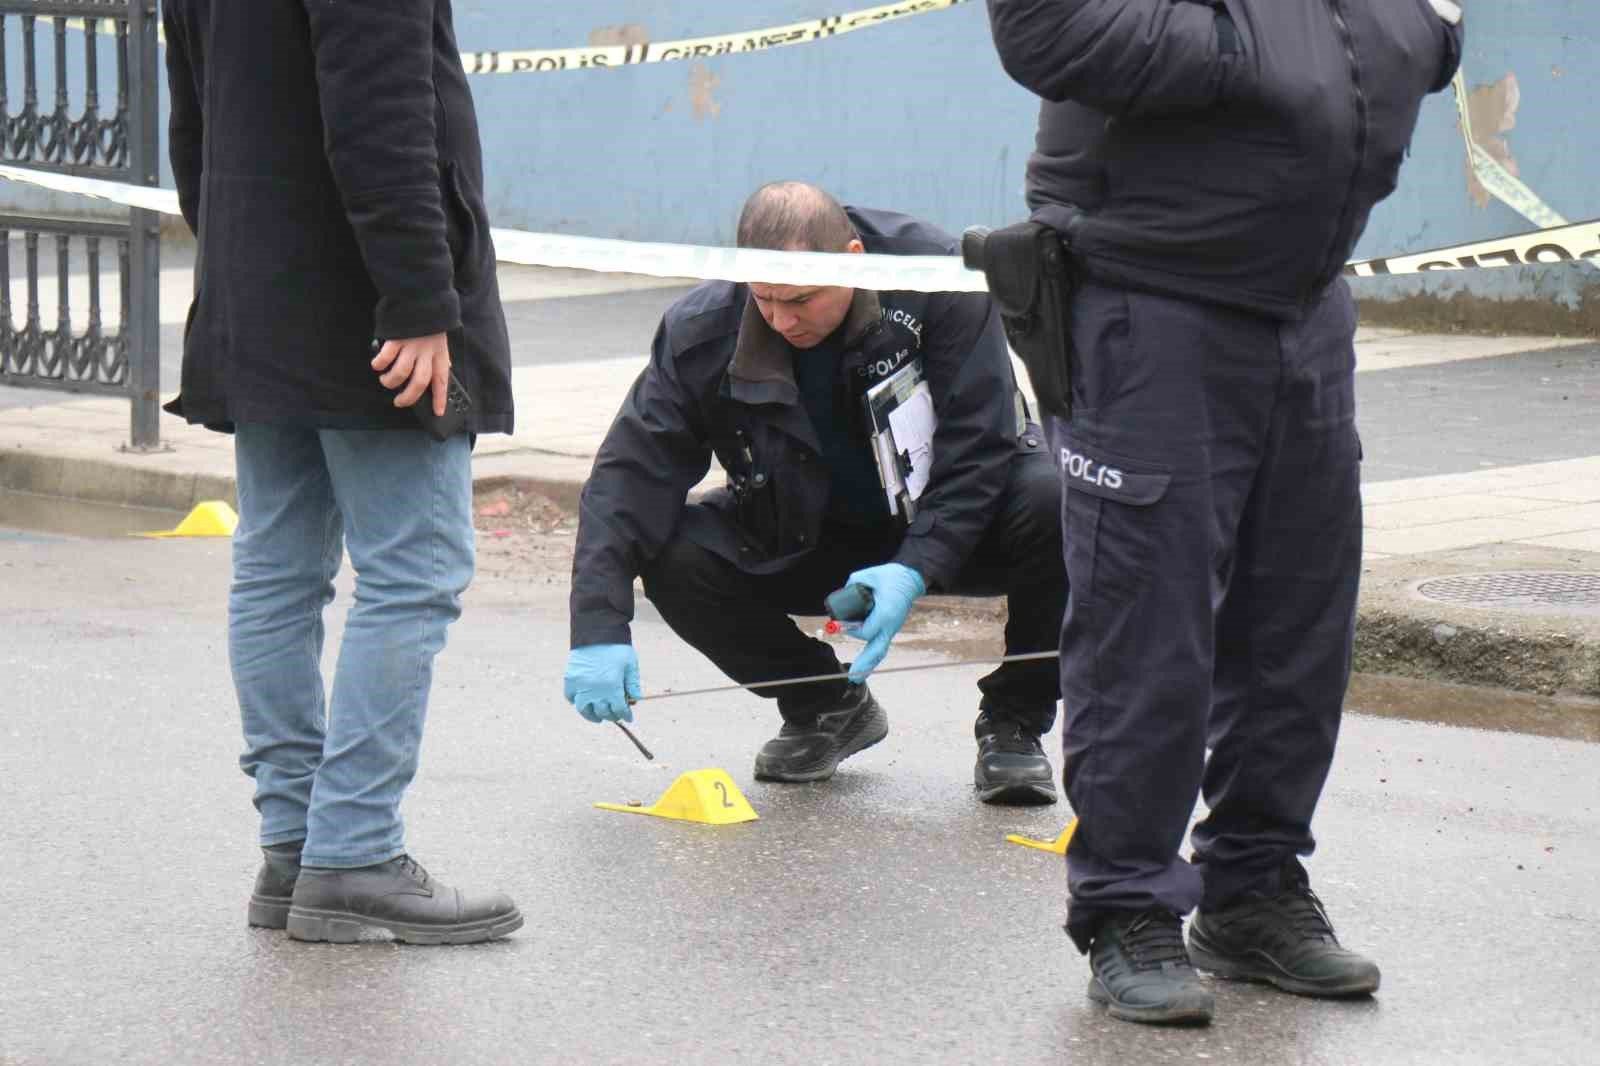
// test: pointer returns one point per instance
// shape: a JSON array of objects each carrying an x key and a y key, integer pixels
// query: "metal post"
[{"x": 144, "y": 316}]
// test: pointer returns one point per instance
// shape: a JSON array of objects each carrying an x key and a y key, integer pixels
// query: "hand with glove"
[
  {"x": 894, "y": 589},
  {"x": 600, "y": 679}
]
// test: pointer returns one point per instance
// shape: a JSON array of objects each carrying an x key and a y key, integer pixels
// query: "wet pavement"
[
  {"x": 1490, "y": 709},
  {"x": 878, "y": 918},
  {"x": 29, "y": 514}
]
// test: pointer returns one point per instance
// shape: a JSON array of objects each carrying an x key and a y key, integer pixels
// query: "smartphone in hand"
[{"x": 457, "y": 405}]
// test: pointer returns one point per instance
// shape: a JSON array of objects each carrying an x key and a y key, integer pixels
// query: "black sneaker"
[
  {"x": 1286, "y": 940},
  {"x": 399, "y": 896},
  {"x": 1142, "y": 972},
  {"x": 813, "y": 752},
  {"x": 1011, "y": 767},
  {"x": 269, "y": 901}
]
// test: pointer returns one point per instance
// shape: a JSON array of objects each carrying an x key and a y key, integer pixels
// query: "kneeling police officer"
[{"x": 772, "y": 379}]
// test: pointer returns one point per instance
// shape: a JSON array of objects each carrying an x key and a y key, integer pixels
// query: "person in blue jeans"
[{"x": 335, "y": 197}]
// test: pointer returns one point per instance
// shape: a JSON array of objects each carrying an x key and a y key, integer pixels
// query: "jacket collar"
[{"x": 762, "y": 368}]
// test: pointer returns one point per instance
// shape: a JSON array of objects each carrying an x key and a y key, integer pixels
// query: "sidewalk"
[
  {"x": 1539, "y": 516},
  {"x": 68, "y": 446}
]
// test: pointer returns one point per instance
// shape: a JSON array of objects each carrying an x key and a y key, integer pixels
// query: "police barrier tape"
[
  {"x": 1579, "y": 242},
  {"x": 541, "y": 60},
  {"x": 1501, "y": 183},
  {"x": 907, "y": 273},
  {"x": 1491, "y": 173},
  {"x": 536, "y": 61}
]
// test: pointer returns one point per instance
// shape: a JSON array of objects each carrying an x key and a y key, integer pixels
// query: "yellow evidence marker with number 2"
[{"x": 706, "y": 796}]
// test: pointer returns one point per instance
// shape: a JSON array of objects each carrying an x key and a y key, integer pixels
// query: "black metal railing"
[{"x": 97, "y": 328}]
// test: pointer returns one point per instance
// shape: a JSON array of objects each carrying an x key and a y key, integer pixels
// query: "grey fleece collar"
[{"x": 762, "y": 357}]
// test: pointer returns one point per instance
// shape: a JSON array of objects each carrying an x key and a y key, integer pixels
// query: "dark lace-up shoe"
[
  {"x": 812, "y": 752},
  {"x": 1142, "y": 972},
  {"x": 269, "y": 901},
  {"x": 398, "y": 895},
  {"x": 1286, "y": 940},
  {"x": 1012, "y": 767}
]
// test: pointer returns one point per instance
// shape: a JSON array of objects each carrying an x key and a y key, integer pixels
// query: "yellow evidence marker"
[
  {"x": 213, "y": 518},
  {"x": 1058, "y": 846},
  {"x": 706, "y": 796}
]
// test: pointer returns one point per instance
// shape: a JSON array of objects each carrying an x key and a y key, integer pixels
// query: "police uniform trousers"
[
  {"x": 1212, "y": 533},
  {"x": 741, "y": 621}
]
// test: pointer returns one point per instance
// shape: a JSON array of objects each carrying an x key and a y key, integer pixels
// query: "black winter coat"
[
  {"x": 720, "y": 381},
  {"x": 1223, "y": 150},
  {"x": 327, "y": 159}
]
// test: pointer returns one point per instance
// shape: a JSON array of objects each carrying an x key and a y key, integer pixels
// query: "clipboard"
[{"x": 901, "y": 424}]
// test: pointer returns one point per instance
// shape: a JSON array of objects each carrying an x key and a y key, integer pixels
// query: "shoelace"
[
  {"x": 1153, "y": 939},
  {"x": 1306, "y": 911},
  {"x": 1017, "y": 741},
  {"x": 414, "y": 868}
]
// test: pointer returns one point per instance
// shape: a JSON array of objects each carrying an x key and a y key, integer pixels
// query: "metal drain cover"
[{"x": 1518, "y": 590}]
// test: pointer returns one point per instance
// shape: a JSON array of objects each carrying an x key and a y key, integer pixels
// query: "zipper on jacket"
[{"x": 1341, "y": 235}]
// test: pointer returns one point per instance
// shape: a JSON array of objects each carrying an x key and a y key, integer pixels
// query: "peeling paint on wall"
[
  {"x": 1493, "y": 109},
  {"x": 622, "y": 36},
  {"x": 702, "y": 89}
]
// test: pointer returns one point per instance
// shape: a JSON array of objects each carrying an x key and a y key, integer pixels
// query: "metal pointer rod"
[
  {"x": 642, "y": 749},
  {"x": 817, "y": 678}
]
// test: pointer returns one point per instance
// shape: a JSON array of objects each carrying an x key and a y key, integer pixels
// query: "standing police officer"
[
  {"x": 1211, "y": 164},
  {"x": 771, "y": 379}
]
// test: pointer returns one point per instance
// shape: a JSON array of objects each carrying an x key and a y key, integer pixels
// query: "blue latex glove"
[
  {"x": 894, "y": 589},
  {"x": 599, "y": 680}
]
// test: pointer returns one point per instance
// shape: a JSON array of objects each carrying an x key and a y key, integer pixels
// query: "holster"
[{"x": 1031, "y": 283}]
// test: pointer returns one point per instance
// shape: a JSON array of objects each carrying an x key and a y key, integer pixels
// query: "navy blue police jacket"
[
  {"x": 721, "y": 383},
  {"x": 1228, "y": 151}
]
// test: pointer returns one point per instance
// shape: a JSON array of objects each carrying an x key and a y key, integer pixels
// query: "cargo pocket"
[
  {"x": 1112, "y": 477},
  {"x": 1111, "y": 527}
]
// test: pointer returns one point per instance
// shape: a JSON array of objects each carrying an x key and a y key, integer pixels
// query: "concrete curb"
[
  {"x": 1430, "y": 649},
  {"x": 108, "y": 481},
  {"x": 1549, "y": 652},
  {"x": 125, "y": 484},
  {"x": 1418, "y": 644}
]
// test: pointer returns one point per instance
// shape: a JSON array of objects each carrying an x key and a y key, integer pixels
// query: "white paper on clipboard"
[
  {"x": 913, "y": 424},
  {"x": 901, "y": 421}
]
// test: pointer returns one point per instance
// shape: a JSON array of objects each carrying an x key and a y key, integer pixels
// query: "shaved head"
[{"x": 792, "y": 216}]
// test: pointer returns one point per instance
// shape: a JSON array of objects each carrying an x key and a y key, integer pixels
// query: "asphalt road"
[{"x": 879, "y": 918}]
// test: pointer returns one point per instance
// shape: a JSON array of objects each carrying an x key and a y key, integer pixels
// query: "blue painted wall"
[
  {"x": 918, "y": 115},
  {"x": 1549, "y": 48}
]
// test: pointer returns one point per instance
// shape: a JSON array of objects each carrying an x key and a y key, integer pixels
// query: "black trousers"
[
  {"x": 741, "y": 621},
  {"x": 1213, "y": 544}
]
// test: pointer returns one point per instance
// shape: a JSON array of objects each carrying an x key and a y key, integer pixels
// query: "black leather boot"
[
  {"x": 1012, "y": 767},
  {"x": 812, "y": 752},
  {"x": 269, "y": 901},
  {"x": 398, "y": 895},
  {"x": 1284, "y": 940}
]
